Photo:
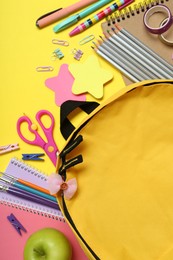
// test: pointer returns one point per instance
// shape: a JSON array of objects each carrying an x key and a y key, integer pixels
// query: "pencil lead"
[
  {"x": 113, "y": 31},
  {"x": 94, "y": 48},
  {"x": 96, "y": 45},
  {"x": 118, "y": 27}
]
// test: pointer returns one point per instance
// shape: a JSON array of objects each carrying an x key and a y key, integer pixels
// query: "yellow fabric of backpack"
[{"x": 123, "y": 206}]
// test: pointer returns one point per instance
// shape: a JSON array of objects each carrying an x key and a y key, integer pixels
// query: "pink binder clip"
[
  {"x": 8, "y": 148},
  {"x": 77, "y": 54}
]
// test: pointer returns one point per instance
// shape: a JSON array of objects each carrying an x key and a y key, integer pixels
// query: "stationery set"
[
  {"x": 131, "y": 20},
  {"x": 139, "y": 52}
]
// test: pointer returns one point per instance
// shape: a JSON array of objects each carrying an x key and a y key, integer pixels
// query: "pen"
[
  {"x": 75, "y": 18},
  {"x": 58, "y": 14},
  {"x": 28, "y": 189},
  {"x": 119, "y": 4},
  {"x": 27, "y": 183},
  {"x": 25, "y": 195}
]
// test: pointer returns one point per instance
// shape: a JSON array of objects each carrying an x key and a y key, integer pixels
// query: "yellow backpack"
[{"x": 123, "y": 205}]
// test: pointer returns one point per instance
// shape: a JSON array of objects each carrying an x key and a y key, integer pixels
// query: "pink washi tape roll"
[{"x": 163, "y": 26}]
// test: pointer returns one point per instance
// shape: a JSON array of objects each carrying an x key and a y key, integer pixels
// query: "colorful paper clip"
[
  {"x": 16, "y": 224},
  {"x": 86, "y": 39},
  {"x": 8, "y": 148},
  {"x": 44, "y": 68},
  {"x": 60, "y": 42},
  {"x": 32, "y": 156},
  {"x": 57, "y": 54}
]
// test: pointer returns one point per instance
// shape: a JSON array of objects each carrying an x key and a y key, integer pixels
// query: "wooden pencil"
[
  {"x": 130, "y": 58},
  {"x": 104, "y": 54}
]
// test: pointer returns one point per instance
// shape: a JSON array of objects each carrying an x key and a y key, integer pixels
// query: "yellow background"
[{"x": 24, "y": 47}]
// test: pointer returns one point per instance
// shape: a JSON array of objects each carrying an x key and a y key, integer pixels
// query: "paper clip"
[
  {"x": 16, "y": 224},
  {"x": 57, "y": 54},
  {"x": 8, "y": 148},
  {"x": 32, "y": 156},
  {"x": 86, "y": 39},
  {"x": 44, "y": 68},
  {"x": 60, "y": 42}
]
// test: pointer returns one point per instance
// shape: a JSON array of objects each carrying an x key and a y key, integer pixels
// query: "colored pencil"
[
  {"x": 26, "y": 195},
  {"x": 129, "y": 59},
  {"x": 29, "y": 189},
  {"x": 29, "y": 184},
  {"x": 142, "y": 55},
  {"x": 151, "y": 57},
  {"x": 131, "y": 75},
  {"x": 132, "y": 55},
  {"x": 117, "y": 57}
]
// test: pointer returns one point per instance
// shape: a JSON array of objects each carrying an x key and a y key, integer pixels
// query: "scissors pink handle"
[{"x": 50, "y": 146}]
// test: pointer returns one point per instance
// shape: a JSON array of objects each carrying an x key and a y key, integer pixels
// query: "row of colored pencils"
[
  {"x": 26, "y": 190},
  {"x": 132, "y": 57}
]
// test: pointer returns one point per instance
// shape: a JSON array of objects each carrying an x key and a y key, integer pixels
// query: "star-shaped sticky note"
[
  {"x": 89, "y": 77},
  {"x": 62, "y": 86}
]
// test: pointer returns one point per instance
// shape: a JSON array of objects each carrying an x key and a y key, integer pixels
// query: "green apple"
[{"x": 48, "y": 244}]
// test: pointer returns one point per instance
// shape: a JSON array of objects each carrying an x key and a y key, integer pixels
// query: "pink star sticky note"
[{"x": 62, "y": 86}]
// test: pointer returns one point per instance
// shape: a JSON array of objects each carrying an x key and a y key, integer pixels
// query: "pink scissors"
[{"x": 50, "y": 146}]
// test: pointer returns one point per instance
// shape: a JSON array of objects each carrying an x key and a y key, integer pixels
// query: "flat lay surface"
[{"x": 45, "y": 63}]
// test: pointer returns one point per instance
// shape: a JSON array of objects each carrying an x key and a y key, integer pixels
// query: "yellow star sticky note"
[{"x": 89, "y": 77}]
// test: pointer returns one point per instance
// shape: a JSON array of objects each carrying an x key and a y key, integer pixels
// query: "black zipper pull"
[
  {"x": 70, "y": 163},
  {"x": 71, "y": 146}
]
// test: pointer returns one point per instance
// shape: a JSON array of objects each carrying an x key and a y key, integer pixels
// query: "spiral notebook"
[
  {"x": 26, "y": 172},
  {"x": 32, "y": 216},
  {"x": 131, "y": 19}
]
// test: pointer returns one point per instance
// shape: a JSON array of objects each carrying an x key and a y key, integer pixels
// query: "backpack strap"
[{"x": 66, "y": 127}]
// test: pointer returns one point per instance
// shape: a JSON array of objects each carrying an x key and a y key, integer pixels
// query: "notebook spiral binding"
[
  {"x": 23, "y": 208},
  {"x": 28, "y": 168},
  {"x": 16, "y": 202},
  {"x": 133, "y": 10}
]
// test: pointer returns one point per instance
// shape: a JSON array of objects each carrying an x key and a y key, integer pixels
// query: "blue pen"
[
  {"x": 28, "y": 189},
  {"x": 75, "y": 18}
]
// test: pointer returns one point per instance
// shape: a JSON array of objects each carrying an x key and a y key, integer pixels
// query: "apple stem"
[{"x": 41, "y": 253}]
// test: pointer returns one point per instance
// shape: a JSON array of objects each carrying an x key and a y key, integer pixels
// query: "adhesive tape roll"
[
  {"x": 164, "y": 37},
  {"x": 155, "y": 10}
]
